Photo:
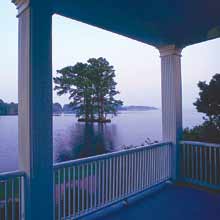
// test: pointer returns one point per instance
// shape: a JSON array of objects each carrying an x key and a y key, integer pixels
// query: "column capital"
[
  {"x": 21, "y": 5},
  {"x": 170, "y": 50}
]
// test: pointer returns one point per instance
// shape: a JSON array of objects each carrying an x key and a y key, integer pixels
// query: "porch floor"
[{"x": 171, "y": 203}]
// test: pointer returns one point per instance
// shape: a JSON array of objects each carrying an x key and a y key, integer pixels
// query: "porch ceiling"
[{"x": 155, "y": 22}]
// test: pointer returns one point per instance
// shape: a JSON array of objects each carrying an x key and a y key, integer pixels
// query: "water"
[{"x": 73, "y": 139}]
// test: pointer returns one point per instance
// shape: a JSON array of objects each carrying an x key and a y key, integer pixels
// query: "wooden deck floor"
[{"x": 171, "y": 203}]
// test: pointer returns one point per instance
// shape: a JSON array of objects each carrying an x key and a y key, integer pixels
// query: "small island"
[
  {"x": 8, "y": 108},
  {"x": 91, "y": 88}
]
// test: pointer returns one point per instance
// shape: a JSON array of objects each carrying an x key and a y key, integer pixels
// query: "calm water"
[{"x": 75, "y": 140}]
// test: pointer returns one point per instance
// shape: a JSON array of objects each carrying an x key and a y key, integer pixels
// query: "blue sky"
[{"x": 137, "y": 65}]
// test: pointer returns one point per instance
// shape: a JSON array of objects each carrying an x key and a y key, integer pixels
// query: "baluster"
[
  {"x": 20, "y": 198},
  {"x": 13, "y": 199},
  {"x": 64, "y": 192},
  {"x": 78, "y": 190},
  {"x": 184, "y": 160},
  {"x": 206, "y": 166},
  {"x": 69, "y": 192},
  {"x": 90, "y": 179},
  {"x": 99, "y": 189},
  {"x": 201, "y": 164},
  {"x": 189, "y": 175},
  {"x": 83, "y": 186},
  {"x": 132, "y": 173},
  {"x": 54, "y": 193},
  {"x": 210, "y": 161},
  {"x": 110, "y": 179},
  {"x": 192, "y": 161},
  {"x": 106, "y": 181},
  {"x": 95, "y": 185},
  {"x": 197, "y": 167},
  {"x": 87, "y": 186},
  {"x": 113, "y": 177},
  {"x": 6, "y": 200},
  {"x": 103, "y": 182},
  {"x": 215, "y": 164},
  {"x": 74, "y": 191},
  {"x": 59, "y": 195}
]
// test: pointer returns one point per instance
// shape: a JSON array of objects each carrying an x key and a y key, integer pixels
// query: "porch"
[
  {"x": 127, "y": 184},
  {"x": 76, "y": 189},
  {"x": 169, "y": 203}
]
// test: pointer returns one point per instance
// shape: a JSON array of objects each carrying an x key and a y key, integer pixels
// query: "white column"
[
  {"x": 35, "y": 107},
  {"x": 171, "y": 92}
]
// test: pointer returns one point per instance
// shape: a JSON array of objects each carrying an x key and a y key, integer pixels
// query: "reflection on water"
[
  {"x": 87, "y": 140},
  {"x": 72, "y": 139}
]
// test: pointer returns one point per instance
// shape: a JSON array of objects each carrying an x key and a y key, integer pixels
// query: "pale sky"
[{"x": 137, "y": 65}]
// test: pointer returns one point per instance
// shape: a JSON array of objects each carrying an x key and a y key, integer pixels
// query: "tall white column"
[
  {"x": 171, "y": 92},
  {"x": 35, "y": 106}
]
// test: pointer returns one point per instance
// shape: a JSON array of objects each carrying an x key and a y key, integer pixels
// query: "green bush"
[{"x": 207, "y": 132}]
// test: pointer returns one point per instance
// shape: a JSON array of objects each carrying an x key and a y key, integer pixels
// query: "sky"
[{"x": 137, "y": 65}]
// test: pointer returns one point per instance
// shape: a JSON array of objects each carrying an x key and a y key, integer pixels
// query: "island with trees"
[
  {"x": 91, "y": 88},
  {"x": 8, "y": 108}
]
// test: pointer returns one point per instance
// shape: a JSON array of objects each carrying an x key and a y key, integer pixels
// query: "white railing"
[
  {"x": 11, "y": 193},
  {"x": 87, "y": 185},
  {"x": 200, "y": 163}
]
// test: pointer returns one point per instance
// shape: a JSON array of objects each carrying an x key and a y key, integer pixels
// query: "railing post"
[
  {"x": 171, "y": 92},
  {"x": 35, "y": 106}
]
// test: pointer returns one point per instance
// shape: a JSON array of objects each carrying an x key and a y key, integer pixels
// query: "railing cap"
[
  {"x": 200, "y": 144},
  {"x": 107, "y": 155},
  {"x": 11, "y": 175}
]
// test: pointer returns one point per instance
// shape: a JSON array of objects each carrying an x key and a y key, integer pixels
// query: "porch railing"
[
  {"x": 11, "y": 193},
  {"x": 87, "y": 185},
  {"x": 200, "y": 163}
]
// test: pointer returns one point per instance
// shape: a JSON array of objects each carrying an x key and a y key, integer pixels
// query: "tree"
[
  {"x": 75, "y": 82},
  {"x": 91, "y": 88},
  {"x": 208, "y": 103},
  {"x": 209, "y": 100},
  {"x": 8, "y": 108},
  {"x": 3, "y": 108},
  {"x": 57, "y": 108},
  {"x": 102, "y": 77}
]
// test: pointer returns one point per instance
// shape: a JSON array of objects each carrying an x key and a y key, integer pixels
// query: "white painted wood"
[
  {"x": 35, "y": 107},
  {"x": 21, "y": 5},
  {"x": 171, "y": 92},
  {"x": 112, "y": 184}
]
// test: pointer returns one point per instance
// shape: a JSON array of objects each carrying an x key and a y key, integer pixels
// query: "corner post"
[
  {"x": 171, "y": 92},
  {"x": 35, "y": 107}
]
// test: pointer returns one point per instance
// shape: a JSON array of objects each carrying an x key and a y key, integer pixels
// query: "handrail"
[
  {"x": 107, "y": 155},
  {"x": 9, "y": 175},
  {"x": 197, "y": 143},
  {"x": 17, "y": 173}
]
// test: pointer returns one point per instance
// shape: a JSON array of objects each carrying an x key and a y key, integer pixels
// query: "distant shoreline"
[
  {"x": 11, "y": 109},
  {"x": 72, "y": 113}
]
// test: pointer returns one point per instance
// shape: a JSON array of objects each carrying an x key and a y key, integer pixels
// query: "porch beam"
[
  {"x": 171, "y": 92},
  {"x": 35, "y": 107}
]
